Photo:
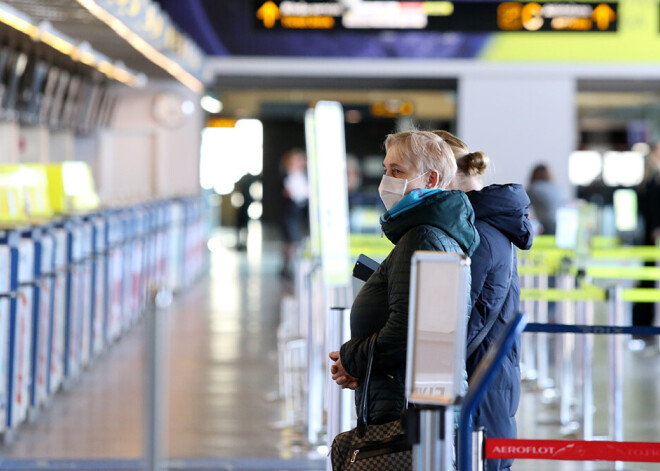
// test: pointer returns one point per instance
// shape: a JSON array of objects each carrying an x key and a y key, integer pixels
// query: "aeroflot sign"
[
  {"x": 436, "y": 15},
  {"x": 573, "y": 450}
]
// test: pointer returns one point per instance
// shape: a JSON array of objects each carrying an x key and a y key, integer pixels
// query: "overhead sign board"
[{"x": 437, "y": 16}]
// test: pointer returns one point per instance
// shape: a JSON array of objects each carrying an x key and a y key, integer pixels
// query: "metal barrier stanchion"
[
  {"x": 542, "y": 358},
  {"x": 431, "y": 453},
  {"x": 565, "y": 350},
  {"x": 156, "y": 356},
  {"x": 339, "y": 401},
  {"x": 478, "y": 456},
  {"x": 615, "y": 317},
  {"x": 528, "y": 361},
  {"x": 584, "y": 316}
]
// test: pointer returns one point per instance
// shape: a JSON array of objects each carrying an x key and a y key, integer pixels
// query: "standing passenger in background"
[
  {"x": 500, "y": 213},
  {"x": 546, "y": 198},
  {"x": 295, "y": 191},
  {"x": 648, "y": 195}
]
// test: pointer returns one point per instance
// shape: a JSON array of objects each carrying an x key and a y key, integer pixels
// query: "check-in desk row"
[{"x": 69, "y": 288}]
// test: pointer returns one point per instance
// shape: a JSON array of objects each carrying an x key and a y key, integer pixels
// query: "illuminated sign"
[{"x": 436, "y": 15}]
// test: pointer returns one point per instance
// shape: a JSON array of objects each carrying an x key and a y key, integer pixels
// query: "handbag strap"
[
  {"x": 362, "y": 415},
  {"x": 474, "y": 344}
]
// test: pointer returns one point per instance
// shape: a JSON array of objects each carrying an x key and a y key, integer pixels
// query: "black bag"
[{"x": 371, "y": 447}]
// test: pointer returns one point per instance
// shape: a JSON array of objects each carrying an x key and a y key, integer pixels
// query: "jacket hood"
[
  {"x": 505, "y": 207},
  {"x": 449, "y": 211}
]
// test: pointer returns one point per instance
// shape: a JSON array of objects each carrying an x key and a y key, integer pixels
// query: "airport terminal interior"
[{"x": 190, "y": 202}]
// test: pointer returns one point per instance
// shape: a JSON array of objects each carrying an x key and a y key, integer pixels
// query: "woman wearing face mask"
[
  {"x": 502, "y": 222},
  {"x": 421, "y": 215}
]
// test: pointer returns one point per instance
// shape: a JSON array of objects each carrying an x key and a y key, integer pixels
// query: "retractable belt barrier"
[{"x": 572, "y": 450}]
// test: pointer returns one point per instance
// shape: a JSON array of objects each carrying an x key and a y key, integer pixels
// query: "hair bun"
[{"x": 475, "y": 163}]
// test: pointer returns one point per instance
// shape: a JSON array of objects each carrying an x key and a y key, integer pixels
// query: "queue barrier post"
[
  {"x": 565, "y": 354},
  {"x": 338, "y": 400},
  {"x": 615, "y": 317},
  {"x": 156, "y": 374},
  {"x": 543, "y": 361}
]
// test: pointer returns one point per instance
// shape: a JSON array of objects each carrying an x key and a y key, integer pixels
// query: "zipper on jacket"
[{"x": 355, "y": 453}]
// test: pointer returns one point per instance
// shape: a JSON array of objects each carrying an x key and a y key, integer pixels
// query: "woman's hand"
[{"x": 339, "y": 374}]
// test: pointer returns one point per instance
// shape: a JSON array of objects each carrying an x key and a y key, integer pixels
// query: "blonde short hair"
[
  {"x": 426, "y": 151},
  {"x": 469, "y": 163}
]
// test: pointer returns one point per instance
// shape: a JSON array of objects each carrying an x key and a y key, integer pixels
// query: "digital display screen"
[{"x": 436, "y": 16}]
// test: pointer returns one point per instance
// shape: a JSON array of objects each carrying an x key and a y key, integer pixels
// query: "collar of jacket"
[{"x": 447, "y": 210}]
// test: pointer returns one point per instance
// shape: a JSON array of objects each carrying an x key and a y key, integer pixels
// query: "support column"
[
  {"x": 62, "y": 146},
  {"x": 519, "y": 122},
  {"x": 9, "y": 142},
  {"x": 35, "y": 145}
]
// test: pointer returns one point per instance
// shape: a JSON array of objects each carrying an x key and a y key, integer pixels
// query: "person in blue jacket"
[{"x": 501, "y": 218}]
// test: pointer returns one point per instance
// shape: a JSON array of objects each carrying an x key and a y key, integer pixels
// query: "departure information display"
[{"x": 438, "y": 16}]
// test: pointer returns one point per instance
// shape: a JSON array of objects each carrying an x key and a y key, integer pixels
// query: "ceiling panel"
[{"x": 70, "y": 18}]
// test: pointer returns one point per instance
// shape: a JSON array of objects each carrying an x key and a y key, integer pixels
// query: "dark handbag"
[{"x": 382, "y": 447}]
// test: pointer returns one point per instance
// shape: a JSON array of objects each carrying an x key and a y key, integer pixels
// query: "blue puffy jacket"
[{"x": 501, "y": 220}]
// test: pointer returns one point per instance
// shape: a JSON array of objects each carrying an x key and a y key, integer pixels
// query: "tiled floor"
[{"x": 223, "y": 366}]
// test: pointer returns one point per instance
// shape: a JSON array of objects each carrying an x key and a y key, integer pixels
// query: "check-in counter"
[
  {"x": 74, "y": 298},
  {"x": 114, "y": 240},
  {"x": 6, "y": 294},
  {"x": 162, "y": 241},
  {"x": 87, "y": 292},
  {"x": 58, "y": 323},
  {"x": 99, "y": 283},
  {"x": 22, "y": 283},
  {"x": 43, "y": 246},
  {"x": 175, "y": 246}
]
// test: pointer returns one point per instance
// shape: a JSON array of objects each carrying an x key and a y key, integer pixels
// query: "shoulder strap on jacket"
[
  {"x": 364, "y": 407},
  {"x": 474, "y": 344}
]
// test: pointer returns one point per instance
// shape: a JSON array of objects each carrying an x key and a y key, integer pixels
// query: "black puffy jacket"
[
  {"x": 501, "y": 219},
  {"x": 443, "y": 221}
]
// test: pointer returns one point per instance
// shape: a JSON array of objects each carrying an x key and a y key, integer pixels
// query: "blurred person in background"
[
  {"x": 295, "y": 193},
  {"x": 546, "y": 197},
  {"x": 648, "y": 194},
  {"x": 421, "y": 215},
  {"x": 242, "y": 217},
  {"x": 501, "y": 218}
]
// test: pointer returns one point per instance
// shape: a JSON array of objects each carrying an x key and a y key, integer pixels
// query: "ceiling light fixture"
[{"x": 144, "y": 47}]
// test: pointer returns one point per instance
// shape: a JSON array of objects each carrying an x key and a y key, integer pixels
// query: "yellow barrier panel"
[
  {"x": 35, "y": 191},
  {"x": 646, "y": 253},
  {"x": 587, "y": 293},
  {"x": 71, "y": 187},
  {"x": 371, "y": 245},
  {"x": 605, "y": 242},
  {"x": 12, "y": 206},
  {"x": 543, "y": 241},
  {"x": 623, "y": 273},
  {"x": 642, "y": 295},
  {"x": 541, "y": 269}
]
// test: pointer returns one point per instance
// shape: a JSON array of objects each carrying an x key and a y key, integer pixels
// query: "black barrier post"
[{"x": 481, "y": 380}]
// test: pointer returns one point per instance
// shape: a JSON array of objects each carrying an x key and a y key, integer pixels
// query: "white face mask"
[{"x": 391, "y": 189}]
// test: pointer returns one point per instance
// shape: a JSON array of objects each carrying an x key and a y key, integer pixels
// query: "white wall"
[
  {"x": 519, "y": 121},
  {"x": 139, "y": 158},
  {"x": 34, "y": 144},
  {"x": 9, "y": 143}
]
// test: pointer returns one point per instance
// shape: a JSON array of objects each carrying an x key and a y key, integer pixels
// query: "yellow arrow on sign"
[
  {"x": 269, "y": 13},
  {"x": 603, "y": 15}
]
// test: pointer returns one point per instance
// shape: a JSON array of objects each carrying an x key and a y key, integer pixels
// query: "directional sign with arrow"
[{"x": 269, "y": 13}]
